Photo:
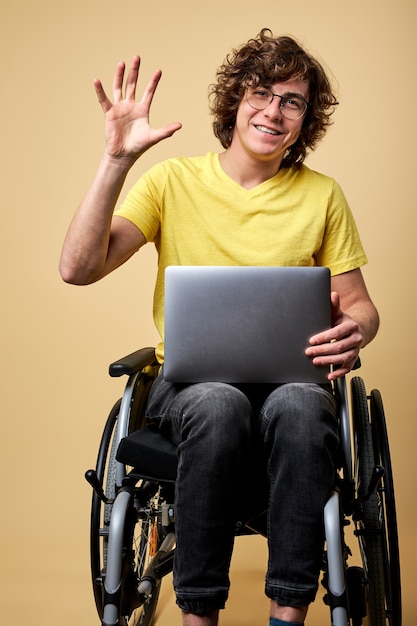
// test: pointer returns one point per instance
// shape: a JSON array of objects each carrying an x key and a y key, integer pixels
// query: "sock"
[{"x": 274, "y": 621}]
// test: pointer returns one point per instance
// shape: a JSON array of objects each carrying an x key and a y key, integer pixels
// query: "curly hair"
[{"x": 264, "y": 61}]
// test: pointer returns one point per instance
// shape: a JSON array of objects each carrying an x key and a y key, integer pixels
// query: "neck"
[{"x": 246, "y": 171}]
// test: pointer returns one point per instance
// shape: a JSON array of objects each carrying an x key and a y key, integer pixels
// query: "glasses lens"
[
  {"x": 292, "y": 107},
  {"x": 258, "y": 97}
]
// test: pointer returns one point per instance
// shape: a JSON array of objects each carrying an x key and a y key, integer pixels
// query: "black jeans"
[{"x": 227, "y": 435}]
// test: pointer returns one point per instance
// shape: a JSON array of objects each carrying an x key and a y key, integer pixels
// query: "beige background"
[{"x": 57, "y": 340}]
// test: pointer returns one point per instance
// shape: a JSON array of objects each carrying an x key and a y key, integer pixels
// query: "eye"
[
  {"x": 262, "y": 93},
  {"x": 292, "y": 102}
]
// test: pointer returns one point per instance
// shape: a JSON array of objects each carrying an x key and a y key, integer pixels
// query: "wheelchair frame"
[{"x": 132, "y": 533}]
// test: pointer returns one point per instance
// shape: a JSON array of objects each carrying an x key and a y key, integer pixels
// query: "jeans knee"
[
  {"x": 219, "y": 411},
  {"x": 302, "y": 415}
]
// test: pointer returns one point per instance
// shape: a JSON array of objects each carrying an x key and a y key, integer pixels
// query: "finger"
[
  {"x": 132, "y": 78},
  {"x": 101, "y": 95},
  {"x": 343, "y": 330},
  {"x": 338, "y": 373},
  {"x": 150, "y": 88},
  {"x": 327, "y": 337},
  {"x": 344, "y": 358},
  {"x": 118, "y": 82},
  {"x": 342, "y": 362},
  {"x": 336, "y": 351},
  {"x": 344, "y": 366}
]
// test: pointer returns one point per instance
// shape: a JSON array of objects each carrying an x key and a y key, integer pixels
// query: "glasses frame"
[{"x": 276, "y": 95}]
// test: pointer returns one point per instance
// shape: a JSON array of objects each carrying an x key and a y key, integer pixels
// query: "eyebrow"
[
  {"x": 291, "y": 94},
  {"x": 288, "y": 94}
]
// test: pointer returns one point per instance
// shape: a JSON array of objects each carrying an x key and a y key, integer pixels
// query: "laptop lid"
[{"x": 244, "y": 324}]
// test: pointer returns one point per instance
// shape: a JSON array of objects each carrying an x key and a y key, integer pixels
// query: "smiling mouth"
[{"x": 268, "y": 131}]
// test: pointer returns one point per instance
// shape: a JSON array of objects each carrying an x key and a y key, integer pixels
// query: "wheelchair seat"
[{"x": 151, "y": 455}]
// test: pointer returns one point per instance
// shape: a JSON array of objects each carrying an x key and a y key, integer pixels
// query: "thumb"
[
  {"x": 167, "y": 131},
  {"x": 336, "y": 310}
]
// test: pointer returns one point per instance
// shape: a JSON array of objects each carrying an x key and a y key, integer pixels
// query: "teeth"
[{"x": 264, "y": 129}]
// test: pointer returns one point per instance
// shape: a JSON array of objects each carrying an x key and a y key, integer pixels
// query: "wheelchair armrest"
[{"x": 133, "y": 363}]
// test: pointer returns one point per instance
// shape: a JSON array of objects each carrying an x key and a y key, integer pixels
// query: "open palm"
[{"x": 128, "y": 131}]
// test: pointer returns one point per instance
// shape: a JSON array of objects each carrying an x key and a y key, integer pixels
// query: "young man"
[{"x": 255, "y": 203}]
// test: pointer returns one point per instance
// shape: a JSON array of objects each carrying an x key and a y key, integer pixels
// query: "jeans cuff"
[
  {"x": 203, "y": 604},
  {"x": 289, "y": 596}
]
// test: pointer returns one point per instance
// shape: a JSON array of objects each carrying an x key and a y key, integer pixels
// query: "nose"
[{"x": 273, "y": 110}]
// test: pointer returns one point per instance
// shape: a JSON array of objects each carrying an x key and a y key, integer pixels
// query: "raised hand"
[{"x": 128, "y": 132}]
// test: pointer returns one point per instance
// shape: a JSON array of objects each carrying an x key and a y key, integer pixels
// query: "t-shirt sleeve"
[
  {"x": 142, "y": 203},
  {"x": 342, "y": 250}
]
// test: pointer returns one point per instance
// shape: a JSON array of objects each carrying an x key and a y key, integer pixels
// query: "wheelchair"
[{"x": 132, "y": 533}]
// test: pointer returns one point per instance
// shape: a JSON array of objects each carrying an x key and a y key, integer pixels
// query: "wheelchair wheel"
[
  {"x": 142, "y": 539},
  {"x": 142, "y": 518},
  {"x": 100, "y": 512},
  {"x": 391, "y": 553},
  {"x": 370, "y": 516}
]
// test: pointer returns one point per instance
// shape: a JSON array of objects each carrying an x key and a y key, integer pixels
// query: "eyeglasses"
[{"x": 293, "y": 107}]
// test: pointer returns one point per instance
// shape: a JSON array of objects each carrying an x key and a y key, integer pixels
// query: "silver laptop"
[{"x": 244, "y": 324}]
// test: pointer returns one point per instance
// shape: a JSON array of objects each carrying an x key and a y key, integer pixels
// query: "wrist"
[{"x": 119, "y": 163}]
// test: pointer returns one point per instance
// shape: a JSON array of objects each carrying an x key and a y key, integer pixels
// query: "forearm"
[{"x": 86, "y": 246}]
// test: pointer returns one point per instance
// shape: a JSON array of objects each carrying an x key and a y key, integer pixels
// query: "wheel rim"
[
  {"x": 98, "y": 547},
  {"x": 392, "y": 565},
  {"x": 369, "y": 521}
]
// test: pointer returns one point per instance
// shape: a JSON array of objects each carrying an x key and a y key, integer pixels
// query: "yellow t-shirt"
[{"x": 196, "y": 215}]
